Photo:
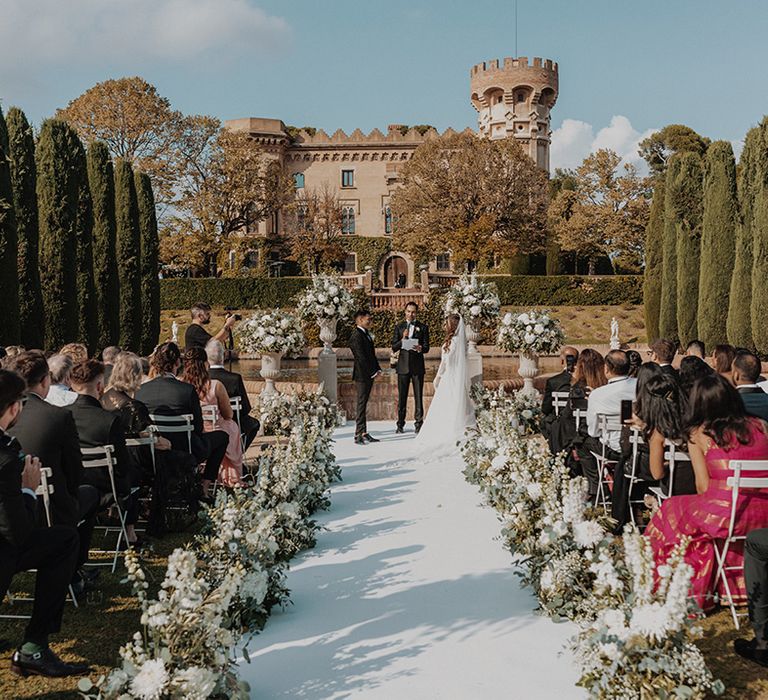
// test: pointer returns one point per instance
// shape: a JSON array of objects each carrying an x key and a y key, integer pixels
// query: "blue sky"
[{"x": 626, "y": 67}]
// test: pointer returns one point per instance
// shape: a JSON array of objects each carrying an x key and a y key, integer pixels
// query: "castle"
[{"x": 513, "y": 99}]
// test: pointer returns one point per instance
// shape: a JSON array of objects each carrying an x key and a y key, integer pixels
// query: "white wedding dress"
[{"x": 451, "y": 411}]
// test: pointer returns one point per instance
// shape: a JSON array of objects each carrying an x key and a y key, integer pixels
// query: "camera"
[{"x": 237, "y": 317}]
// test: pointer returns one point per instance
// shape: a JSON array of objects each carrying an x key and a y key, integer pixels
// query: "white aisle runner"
[{"x": 408, "y": 595}]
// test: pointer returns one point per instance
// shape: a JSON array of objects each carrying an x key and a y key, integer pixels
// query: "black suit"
[
  {"x": 233, "y": 383},
  {"x": 365, "y": 368},
  {"x": 670, "y": 370},
  {"x": 23, "y": 545},
  {"x": 755, "y": 401},
  {"x": 559, "y": 382},
  {"x": 410, "y": 370},
  {"x": 168, "y": 396}
]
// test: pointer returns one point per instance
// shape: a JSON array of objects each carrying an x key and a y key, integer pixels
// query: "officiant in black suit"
[
  {"x": 410, "y": 364},
  {"x": 364, "y": 372}
]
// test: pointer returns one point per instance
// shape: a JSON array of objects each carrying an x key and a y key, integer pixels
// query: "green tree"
[
  {"x": 760, "y": 269},
  {"x": 88, "y": 329},
  {"x": 718, "y": 242},
  {"x": 57, "y": 199},
  {"x": 9, "y": 283},
  {"x": 562, "y": 179},
  {"x": 668, "y": 309},
  {"x": 150, "y": 248},
  {"x": 654, "y": 256},
  {"x": 659, "y": 147},
  {"x": 101, "y": 181},
  {"x": 24, "y": 182},
  {"x": 128, "y": 255},
  {"x": 688, "y": 205}
]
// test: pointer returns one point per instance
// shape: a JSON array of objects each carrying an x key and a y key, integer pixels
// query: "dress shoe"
[
  {"x": 45, "y": 663},
  {"x": 370, "y": 438},
  {"x": 747, "y": 648},
  {"x": 418, "y": 427},
  {"x": 359, "y": 440},
  {"x": 89, "y": 575},
  {"x": 399, "y": 430}
]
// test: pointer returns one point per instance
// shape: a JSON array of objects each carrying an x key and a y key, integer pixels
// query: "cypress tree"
[
  {"x": 760, "y": 269},
  {"x": 128, "y": 253},
  {"x": 654, "y": 256},
  {"x": 101, "y": 181},
  {"x": 150, "y": 253},
  {"x": 86, "y": 292},
  {"x": 668, "y": 305},
  {"x": 688, "y": 217},
  {"x": 9, "y": 282},
  {"x": 718, "y": 242},
  {"x": 24, "y": 183},
  {"x": 57, "y": 200}
]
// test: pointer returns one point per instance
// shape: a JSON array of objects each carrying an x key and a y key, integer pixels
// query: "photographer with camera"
[{"x": 196, "y": 336}]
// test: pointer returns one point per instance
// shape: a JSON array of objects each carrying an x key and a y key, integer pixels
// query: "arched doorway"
[{"x": 396, "y": 269}]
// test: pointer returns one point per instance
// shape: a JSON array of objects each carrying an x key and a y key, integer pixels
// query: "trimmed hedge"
[
  {"x": 568, "y": 290},
  {"x": 238, "y": 292}
]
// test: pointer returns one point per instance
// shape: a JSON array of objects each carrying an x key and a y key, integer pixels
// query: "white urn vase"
[
  {"x": 328, "y": 332},
  {"x": 528, "y": 370},
  {"x": 473, "y": 336},
  {"x": 474, "y": 358},
  {"x": 326, "y": 360},
  {"x": 270, "y": 370}
]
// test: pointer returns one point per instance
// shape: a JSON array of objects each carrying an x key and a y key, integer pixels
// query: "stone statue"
[
  {"x": 615, "y": 343},
  {"x": 175, "y": 332}
]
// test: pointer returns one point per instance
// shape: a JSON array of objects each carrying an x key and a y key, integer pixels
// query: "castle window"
[
  {"x": 443, "y": 262},
  {"x": 348, "y": 220},
  {"x": 520, "y": 127},
  {"x": 388, "y": 220},
  {"x": 499, "y": 99},
  {"x": 298, "y": 180},
  {"x": 350, "y": 264},
  {"x": 520, "y": 97},
  {"x": 347, "y": 178}
]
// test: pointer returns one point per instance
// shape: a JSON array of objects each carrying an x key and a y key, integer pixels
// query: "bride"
[{"x": 451, "y": 411}]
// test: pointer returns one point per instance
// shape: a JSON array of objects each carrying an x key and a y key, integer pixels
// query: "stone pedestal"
[
  {"x": 270, "y": 370},
  {"x": 474, "y": 358},
  {"x": 326, "y": 360},
  {"x": 529, "y": 370}
]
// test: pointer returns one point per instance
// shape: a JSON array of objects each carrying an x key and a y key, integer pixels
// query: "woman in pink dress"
[
  {"x": 212, "y": 393},
  {"x": 719, "y": 430}
]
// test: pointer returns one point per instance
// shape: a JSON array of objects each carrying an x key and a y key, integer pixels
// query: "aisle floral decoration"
[
  {"x": 521, "y": 409},
  {"x": 280, "y": 413},
  {"x": 271, "y": 331},
  {"x": 325, "y": 298},
  {"x": 532, "y": 332},
  {"x": 475, "y": 301}
]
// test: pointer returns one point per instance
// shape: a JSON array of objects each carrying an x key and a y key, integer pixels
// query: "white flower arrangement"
[
  {"x": 271, "y": 331},
  {"x": 534, "y": 332},
  {"x": 279, "y": 413},
  {"x": 522, "y": 409},
  {"x": 476, "y": 302},
  {"x": 325, "y": 298}
]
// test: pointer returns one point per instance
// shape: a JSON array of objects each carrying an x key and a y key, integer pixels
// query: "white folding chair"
[
  {"x": 578, "y": 415},
  {"x": 672, "y": 455},
  {"x": 211, "y": 415},
  {"x": 237, "y": 406},
  {"x": 740, "y": 480},
  {"x": 606, "y": 422},
  {"x": 635, "y": 439},
  {"x": 148, "y": 440},
  {"x": 103, "y": 457},
  {"x": 559, "y": 400},
  {"x": 175, "y": 424}
]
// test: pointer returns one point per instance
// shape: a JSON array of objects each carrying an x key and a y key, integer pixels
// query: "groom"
[
  {"x": 410, "y": 364},
  {"x": 366, "y": 369}
]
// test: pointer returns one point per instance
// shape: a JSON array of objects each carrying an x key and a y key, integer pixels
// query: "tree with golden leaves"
[
  {"x": 312, "y": 227},
  {"x": 606, "y": 214},
  {"x": 471, "y": 196}
]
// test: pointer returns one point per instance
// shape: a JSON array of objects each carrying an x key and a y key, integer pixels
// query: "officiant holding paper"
[{"x": 410, "y": 340}]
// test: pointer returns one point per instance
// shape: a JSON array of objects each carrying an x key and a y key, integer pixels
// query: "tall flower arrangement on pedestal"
[
  {"x": 325, "y": 298},
  {"x": 475, "y": 301}
]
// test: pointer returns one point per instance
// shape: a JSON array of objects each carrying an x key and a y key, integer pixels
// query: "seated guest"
[
  {"x": 12, "y": 350},
  {"x": 77, "y": 351},
  {"x": 662, "y": 352},
  {"x": 606, "y": 400},
  {"x": 695, "y": 349},
  {"x": 745, "y": 373},
  {"x": 560, "y": 382},
  {"x": 233, "y": 383},
  {"x": 691, "y": 369},
  {"x": 60, "y": 393},
  {"x": 635, "y": 362},
  {"x": 717, "y": 430},
  {"x": 756, "y": 579},
  {"x": 48, "y": 432},
  {"x": 722, "y": 359},
  {"x": 52, "y": 551},
  {"x": 211, "y": 392},
  {"x": 97, "y": 427},
  {"x": 165, "y": 395},
  {"x": 196, "y": 336},
  {"x": 108, "y": 357}
]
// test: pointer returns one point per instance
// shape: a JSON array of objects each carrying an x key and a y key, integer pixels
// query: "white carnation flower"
[
  {"x": 151, "y": 680},
  {"x": 588, "y": 533},
  {"x": 195, "y": 682}
]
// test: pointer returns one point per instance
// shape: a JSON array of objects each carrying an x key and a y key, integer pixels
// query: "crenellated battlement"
[{"x": 514, "y": 64}]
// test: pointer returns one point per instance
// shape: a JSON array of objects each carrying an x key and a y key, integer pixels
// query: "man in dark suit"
[
  {"x": 558, "y": 383},
  {"x": 756, "y": 579},
  {"x": 165, "y": 395},
  {"x": 233, "y": 383},
  {"x": 23, "y": 546},
  {"x": 49, "y": 433},
  {"x": 410, "y": 365},
  {"x": 365, "y": 371},
  {"x": 662, "y": 352},
  {"x": 746, "y": 373}
]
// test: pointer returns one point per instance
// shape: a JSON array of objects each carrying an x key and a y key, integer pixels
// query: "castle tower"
[{"x": 513, "y": 98}]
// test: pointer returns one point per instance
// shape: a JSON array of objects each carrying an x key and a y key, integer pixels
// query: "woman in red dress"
[{"x": 719, "y": 430}]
